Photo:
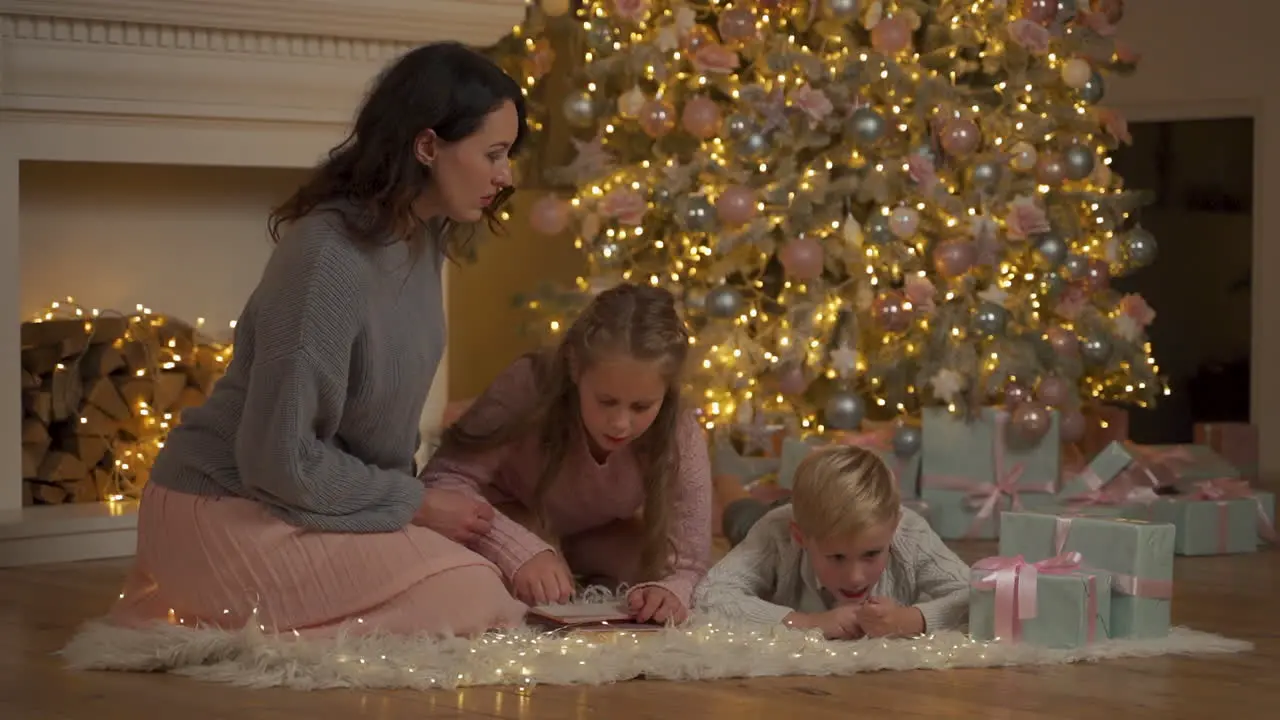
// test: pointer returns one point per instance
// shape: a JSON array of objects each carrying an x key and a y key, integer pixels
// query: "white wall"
[
  {"x": 1215, "y": 60},
  {"x": 182, "y": 240}
]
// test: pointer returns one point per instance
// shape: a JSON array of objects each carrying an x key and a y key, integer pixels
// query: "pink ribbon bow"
[
  {"x": 985, "y": 496},
  {"x": 1015, "y": 581},
  {"x": 1222, "y": 489}
]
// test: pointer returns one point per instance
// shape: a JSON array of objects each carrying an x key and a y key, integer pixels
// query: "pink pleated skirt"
[{"x": 228, "y": 562}]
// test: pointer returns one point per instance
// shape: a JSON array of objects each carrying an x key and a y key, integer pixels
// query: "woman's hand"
[
  {"x": 544, "y": 578},
  {"x": 457, "y": 515},
  {"x": 656, "y": 604}
]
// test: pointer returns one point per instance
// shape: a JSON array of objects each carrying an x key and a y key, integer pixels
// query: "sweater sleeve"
[
  {"x": 508, "y": 544},
  {"x": 736, "y": 586},
  {"x": 942, "y": 578},
  {"x": 308, "y": 311},
  {"x": 690, "y": 531}
]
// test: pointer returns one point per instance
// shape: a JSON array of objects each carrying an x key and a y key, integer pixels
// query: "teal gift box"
[
  {"x": 1057, "y": 603},
  {"x": 1185, "y": 465},
  {"x": 1267, "y": 523},
  {"x": 961, "y": 453},
  {"x": 957, "y": 514},
  {"x": 906, "y": 470},
  {"x": 1104, "y": 468},
  {"x": 726, "y": 460},
  {"x": 1137, "y": 553},
  {"x": 1209, "y": 527}
]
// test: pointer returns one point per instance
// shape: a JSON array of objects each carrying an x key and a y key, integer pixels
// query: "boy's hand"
[
  {"x": 838, "y": 623},
  {"x": 882, "y": 617}
]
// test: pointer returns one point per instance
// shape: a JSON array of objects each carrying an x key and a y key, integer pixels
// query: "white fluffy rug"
[{"x": 525, "y": 657}]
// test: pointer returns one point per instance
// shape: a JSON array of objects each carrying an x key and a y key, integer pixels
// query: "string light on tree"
[{"x": 921, "y": 183}]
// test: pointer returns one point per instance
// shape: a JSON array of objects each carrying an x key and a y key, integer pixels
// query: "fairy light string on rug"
[{"x": 130, "y": 458}]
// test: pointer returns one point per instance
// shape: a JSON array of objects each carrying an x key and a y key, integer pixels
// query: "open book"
[{"x": 588, "y": 616}]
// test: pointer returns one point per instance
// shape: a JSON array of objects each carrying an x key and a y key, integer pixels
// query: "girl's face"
[
  {"x": 619, "y": 397},
  {"x": 849, "y": 567}
]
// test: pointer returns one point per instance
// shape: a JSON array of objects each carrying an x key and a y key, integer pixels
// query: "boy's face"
[{"x": 849, "y": 566}]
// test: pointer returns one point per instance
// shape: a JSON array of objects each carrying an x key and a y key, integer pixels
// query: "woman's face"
[{"x": 468, "y": 174}]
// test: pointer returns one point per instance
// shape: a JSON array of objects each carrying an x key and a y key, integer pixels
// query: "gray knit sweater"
[{"x": 317, "y": 414}]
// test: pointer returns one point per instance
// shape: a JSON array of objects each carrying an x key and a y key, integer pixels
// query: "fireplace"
[{"x": 141, "y": 144}]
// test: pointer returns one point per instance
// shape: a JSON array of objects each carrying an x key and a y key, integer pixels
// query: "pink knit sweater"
[{"x": 586, "y": 495}]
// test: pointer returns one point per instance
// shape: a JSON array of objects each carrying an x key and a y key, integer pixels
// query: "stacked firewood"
[{"x": 100, "y": 394}]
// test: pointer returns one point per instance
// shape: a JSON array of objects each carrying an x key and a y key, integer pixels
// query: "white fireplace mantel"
[{"x": 248, "y": 83}]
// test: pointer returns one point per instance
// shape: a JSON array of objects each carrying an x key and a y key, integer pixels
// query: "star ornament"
[
  {"x": 947, "y": 384},
  {"x": 844, "y": 360}
]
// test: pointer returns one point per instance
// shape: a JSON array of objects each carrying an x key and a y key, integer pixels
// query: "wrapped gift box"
[
  {"x": 1137, "y": 553},
  {"x": 961, "y": 454},
  {"x": 1055, "y": 603},
  {"x": 1113, "y": 462},
  {"x": 1182, "y": 466},
  {"x": 1220, "y": 517},
  {"x": 975, "y": 515},
  {"x": 1235, "y": 442},
  {"x": 726, "y": 460},
  {"x": 905, "y": 469}
]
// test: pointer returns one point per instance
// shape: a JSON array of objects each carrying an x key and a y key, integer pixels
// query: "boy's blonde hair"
[{"x": 841, "y": 490}]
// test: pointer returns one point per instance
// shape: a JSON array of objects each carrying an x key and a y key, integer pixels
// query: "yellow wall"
[{"x": 486, "y": 330}]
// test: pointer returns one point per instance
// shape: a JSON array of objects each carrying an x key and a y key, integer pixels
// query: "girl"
[
  {"x": 843, "y": 557},
  {"x": 288, "y": 499},
  {"x": 593, "y": 465}
]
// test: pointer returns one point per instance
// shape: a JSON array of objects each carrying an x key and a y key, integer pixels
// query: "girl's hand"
[
  {"x": 455, "y": 514},
  {"x": 656, "y": 604},
  {"x": 544, "y": 579},
  {"x": 882, "y": 617}
]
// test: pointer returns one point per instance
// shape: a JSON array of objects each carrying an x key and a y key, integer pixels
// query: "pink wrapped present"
[
  {"x": 1236, "y": 442},
  {"x": 1103, "y": 424}
]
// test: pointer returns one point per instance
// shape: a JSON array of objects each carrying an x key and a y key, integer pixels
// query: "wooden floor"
[{"x": 1236, "y": 596}]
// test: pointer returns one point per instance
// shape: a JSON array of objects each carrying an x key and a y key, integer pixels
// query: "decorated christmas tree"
[{"x": 866, "y": 208}]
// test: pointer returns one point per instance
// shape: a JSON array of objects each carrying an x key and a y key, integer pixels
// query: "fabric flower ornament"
[
  {"x": 624, "y": 205},
  {"x": 812, "y": 102},
  {"x": 1025, "y": 218},
  {"x": 921, "y": 293},
  {"x": 716, "y": 59},
  {"x": 921, "y": 170},
  {"x": 1072, "y": 303},
  {"x": 1032, "y": 36},
  {"x": 1115, "y": 125},
  {"x": 630, "y": 10},
  {"x": 1133, "y": 316}
]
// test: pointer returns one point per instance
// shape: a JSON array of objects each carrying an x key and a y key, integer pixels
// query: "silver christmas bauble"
[
  {"x": 844, "y": 411},
  {"x": 699, "y": 214},
  {"x": 755, "y": 145},
  {"x": 1093, "y": 90},
  {"x": 868, "y": 125},
  {"x": 738, "y": 126},
  {"x": 877, "y": 230},
  {"x": 1066, "y": 11},
  {"x": 1076, "y": 266},
  {"x": 579, "y": 109},
  {"x": 1139, "y": 248},
  {"x": 1051, "y": 250},
  {"x": 1096, "y": 350},
  {"x": 907, "y": 440},
  {"x": 990, "y": 319},
  {"x": 1079, "y": 161},
  {"x": 840, "y": 9},
  {"x": 723, "y": 302},
  {"x": 986, "y": 174}
]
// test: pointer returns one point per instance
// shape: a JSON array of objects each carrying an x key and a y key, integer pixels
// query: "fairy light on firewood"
[{"x": 121, "y": 381}]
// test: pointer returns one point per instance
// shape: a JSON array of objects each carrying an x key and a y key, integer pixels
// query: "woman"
[{"x": 289, "y": 499}]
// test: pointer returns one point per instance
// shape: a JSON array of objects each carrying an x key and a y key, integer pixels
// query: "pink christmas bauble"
[
  {"x": 890, "y": 312},
  {"x": 1050, "y": 170},
  {"x": 1054, "y": 391},
  {"x": 736, "y": 206},
  {"x": 701, "y": 117},
  {"x": 1040, "y": 11},
  {"x": 1097, "y": 276},
  {"x": 891, "y": 35},
  {"x": 791, "y": 381},
  {"x": 802, "y": 258},
  {"x": 1063, "y": 341},
  {"x": 960, "y": 137},
  {"x": 953, "y": 258},
  {"x": 1015, "y": 395},
  {"x": 737, "y": 24},
  {"x": 657, "y": 118},
  {"x": 904, "y": 221},
  {"x": 549, "y": 215}
]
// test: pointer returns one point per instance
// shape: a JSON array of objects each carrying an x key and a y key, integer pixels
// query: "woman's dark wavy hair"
[{"x": 445, "y": 87}]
